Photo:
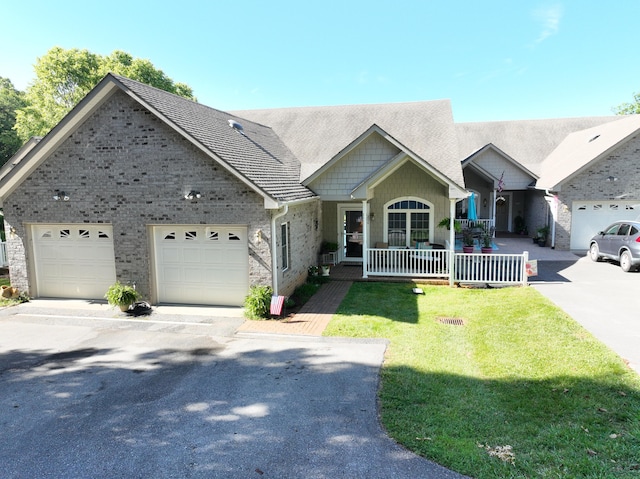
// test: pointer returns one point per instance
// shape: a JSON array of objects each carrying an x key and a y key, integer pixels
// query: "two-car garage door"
[
  {"x": 192, "y": 264},
  {"x": 590, "y": 217}
]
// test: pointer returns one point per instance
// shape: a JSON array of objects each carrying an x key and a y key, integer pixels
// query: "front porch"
[{"x": 504, "y": 266}]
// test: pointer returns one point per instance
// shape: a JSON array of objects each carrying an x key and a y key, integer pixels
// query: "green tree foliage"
[
  {"x": 629, "y": 108},
  {"x": 10, "y": 101},
  {"x": 64, "y": 77}
]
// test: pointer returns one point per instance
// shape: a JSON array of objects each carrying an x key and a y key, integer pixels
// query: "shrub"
[{"x": 258, "y": 302}]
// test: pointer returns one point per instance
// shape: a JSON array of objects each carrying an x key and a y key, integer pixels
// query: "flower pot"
[
  {"x": 467, "y": 249},
  {"x": 325, "y": 270},
  {"x": 124, "y": 307},
  {"x": 486, "y": 250}
]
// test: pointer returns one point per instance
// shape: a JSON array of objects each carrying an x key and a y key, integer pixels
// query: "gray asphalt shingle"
[{"x": 257, "y": 154}]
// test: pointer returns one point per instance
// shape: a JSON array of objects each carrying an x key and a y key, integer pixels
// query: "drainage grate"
[{"x": 454, "y": 321}]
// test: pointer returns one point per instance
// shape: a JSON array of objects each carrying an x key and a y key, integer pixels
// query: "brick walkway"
[{"x": 312, "y": 318}]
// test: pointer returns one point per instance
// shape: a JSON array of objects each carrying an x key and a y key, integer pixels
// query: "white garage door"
[
  {"x": 73, "y": 261},
  {"x": 590, "y": 217},
  {"x": 202, "y": 264}
]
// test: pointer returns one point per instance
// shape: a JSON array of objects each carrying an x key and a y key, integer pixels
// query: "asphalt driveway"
[
  {"x": 600, "y": 296},
  {"x": 102, "y": 398}
]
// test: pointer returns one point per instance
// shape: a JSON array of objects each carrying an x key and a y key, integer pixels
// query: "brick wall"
[
  {"x": 125, "y": 167},
  {"x": 305, "y": 234},
  {"x": 591, "y": 184}
]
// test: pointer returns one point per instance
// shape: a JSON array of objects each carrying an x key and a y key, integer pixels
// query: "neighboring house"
[{"x": 195, "y": 205}]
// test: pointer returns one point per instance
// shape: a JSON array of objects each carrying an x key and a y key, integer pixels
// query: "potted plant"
[
  {"x": 487, "y": 240},
  {"x": 328, "y": 247},
  {"x": 446, "y": 223},
  {"x": 468, "y": 241},
  {"x": 313, "y": 270},
  {"x": 543, "y": 232},
  {"x": 521, "y": 228},
  {"x": 121, "y": 295},
  {"x": 326, "y": 268}
]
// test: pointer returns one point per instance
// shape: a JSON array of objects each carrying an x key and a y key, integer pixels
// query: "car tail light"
[{"x": 638, "y": 239}]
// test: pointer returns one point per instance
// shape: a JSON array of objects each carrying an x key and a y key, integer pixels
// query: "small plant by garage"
[
  {"x": 121, "y": 295},
  {"x": 258, "y": 302}
]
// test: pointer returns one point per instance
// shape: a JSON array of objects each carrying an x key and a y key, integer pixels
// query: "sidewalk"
[{"x": 312, "y": 318}]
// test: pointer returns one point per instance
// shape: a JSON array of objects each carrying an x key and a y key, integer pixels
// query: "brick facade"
[
  {"x": 591, "y": 184},
  {"x": 125, "y": 167}
]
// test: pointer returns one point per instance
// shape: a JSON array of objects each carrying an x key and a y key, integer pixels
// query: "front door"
[
  {"x": 503, "y": 212},
  {"x": 351, "y": 234}
]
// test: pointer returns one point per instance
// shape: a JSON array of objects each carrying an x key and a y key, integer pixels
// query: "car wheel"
[
  {"x": 594, "y": 252},
  {"x": 625, "y": 261}
]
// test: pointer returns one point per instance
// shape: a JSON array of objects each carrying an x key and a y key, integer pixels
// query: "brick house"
[{"x": 195, "y": 205}]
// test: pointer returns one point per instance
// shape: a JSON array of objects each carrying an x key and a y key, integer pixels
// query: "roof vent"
[
  {"x": 236, "y": 126},
  {"x": 594, "y": 138}
]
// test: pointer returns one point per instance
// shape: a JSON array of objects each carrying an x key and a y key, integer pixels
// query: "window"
[
  {"x": 284, "y": 230},
  {"x": 408, "y": 221}
]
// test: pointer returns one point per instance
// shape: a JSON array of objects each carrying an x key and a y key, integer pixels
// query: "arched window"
[{"x": 407, "y": 221}]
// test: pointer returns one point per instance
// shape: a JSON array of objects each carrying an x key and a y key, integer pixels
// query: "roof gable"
[
  {"x": 256, "y": 155},
  {"x": 585, "y": 147},
  {"x": 316, "y": 135},
  {"x": 528, "y": 142},
  {"x": 494, "y": 164}
]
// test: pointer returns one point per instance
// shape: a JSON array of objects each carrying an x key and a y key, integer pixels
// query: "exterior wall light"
[
  {"x": 192, "y": 195},
  {"x": 60, "y": 195}
]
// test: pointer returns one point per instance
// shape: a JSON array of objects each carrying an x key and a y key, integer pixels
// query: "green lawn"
[{"x": 519, "y": 390}]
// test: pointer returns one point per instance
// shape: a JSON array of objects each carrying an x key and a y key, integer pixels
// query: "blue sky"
[{"x": 495, "y": 60}]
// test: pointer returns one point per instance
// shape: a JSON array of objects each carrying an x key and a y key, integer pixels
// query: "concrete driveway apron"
[{"x": 88, "y": 395}]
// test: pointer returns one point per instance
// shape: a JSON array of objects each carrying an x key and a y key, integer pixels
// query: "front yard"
[{"x": 497, "y": 382}]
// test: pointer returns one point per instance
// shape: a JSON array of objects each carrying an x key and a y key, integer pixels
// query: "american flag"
[{"x": 501, "y": 183}]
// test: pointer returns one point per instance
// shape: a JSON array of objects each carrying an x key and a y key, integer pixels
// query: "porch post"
[
  {"x": 365, "y": 237},
  {"x": 452, "y": 238},
  {"x": 493, "y": 208}
]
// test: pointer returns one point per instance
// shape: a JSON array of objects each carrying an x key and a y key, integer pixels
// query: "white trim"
[
  {"x": 341, "y": 209},
  {"x": 385, "y": 225}
]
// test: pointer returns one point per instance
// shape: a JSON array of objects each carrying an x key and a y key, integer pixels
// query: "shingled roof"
[
  {"x": 528, "y": 142},
  {"x": 317, "y": 134},
  {"x": 256, "y": 152},
  {"x": 583, "y": 147}
]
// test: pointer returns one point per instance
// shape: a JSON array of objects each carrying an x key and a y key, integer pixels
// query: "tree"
[
  {"x": 629, "y": 108},
  {"x": 10, "y": 101},
  {"x": 64, "y": 77}
]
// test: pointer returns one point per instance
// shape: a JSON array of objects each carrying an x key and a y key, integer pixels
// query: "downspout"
[
  {"x": 274, "y": 250},
  {"x": 553, "y": 203}
]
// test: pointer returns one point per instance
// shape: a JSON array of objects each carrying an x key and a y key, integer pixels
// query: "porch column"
[
  {"x": 365, "y": 237},
  {"x": 493, "y": 208},
  {"x": 452, "y": 239}
]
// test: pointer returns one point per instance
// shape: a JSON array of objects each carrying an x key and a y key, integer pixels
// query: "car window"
[
  {"x": 624, "y": 230},
  {"x": 613, "y": 229},
  {"x": 634, "y": 231}
]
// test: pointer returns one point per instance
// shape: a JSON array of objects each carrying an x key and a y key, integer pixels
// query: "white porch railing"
[
  {"x": 486, "y": 223},
  {"x": 436, "y": 263},
  {"x": 4, "y": 262},
  {"x": 432, "y": 263},
  {"x": 490, "y": 268}
]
